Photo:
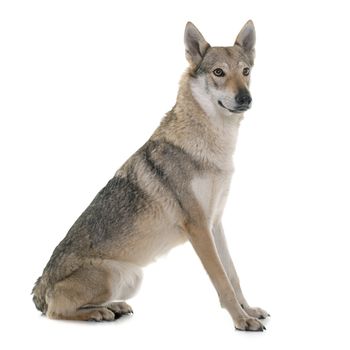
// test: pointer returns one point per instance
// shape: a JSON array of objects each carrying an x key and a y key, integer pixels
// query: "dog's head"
[{"x": 220, "y": 75}]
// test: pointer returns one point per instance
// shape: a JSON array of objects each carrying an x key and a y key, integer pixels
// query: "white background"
[{"x": 84, "y": 83}]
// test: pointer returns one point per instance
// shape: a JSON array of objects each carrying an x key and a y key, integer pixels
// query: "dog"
[{"x": 172, "y": 190}]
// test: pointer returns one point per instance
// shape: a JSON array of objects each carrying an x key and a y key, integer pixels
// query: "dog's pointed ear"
[
  {"x": 246, "y": 37},
  {"x": 195, "y": 45}
]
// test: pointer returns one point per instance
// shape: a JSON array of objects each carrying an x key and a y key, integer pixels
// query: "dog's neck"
[{"x": 200, "y": 130}]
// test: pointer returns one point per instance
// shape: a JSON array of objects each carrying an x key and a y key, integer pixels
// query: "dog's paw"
[
  {"x": 120, "y": 309},
  {"x": 249, "y": 324},
  {"x": 102, "y": 314},
  {"x": 256, "y": 312}
]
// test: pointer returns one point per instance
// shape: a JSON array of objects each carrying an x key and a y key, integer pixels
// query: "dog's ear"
[
  {"x": 246, "y": 38},
  {"x": 195, "y": 45}
]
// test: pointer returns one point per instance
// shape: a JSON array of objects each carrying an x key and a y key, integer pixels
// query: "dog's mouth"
[{"x": 240, "y": 109}]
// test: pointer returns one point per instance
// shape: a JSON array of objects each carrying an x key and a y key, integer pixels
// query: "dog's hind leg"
[{"x": 87, "y": 294}]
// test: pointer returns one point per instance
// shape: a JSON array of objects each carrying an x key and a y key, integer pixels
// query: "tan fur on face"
[{"x": 232, "y": 61}]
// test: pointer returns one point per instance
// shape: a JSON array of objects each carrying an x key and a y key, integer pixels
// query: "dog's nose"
[{"x": 243, "y": 99}]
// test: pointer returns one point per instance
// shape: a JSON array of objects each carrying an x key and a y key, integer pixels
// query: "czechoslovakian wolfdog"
[{"x": 172, "y": 190}]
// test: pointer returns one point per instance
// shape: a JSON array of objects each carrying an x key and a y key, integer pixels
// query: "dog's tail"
[{"x": 39, "y": 292}]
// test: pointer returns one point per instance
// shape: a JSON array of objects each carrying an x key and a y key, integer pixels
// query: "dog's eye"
[
  {"x": 246, "y": 71},
  {"x": 218, "y": 72}
]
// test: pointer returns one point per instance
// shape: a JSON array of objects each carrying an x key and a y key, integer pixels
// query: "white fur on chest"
[{"x": 211, "y": 191}]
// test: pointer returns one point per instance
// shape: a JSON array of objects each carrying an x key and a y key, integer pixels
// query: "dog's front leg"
[
  {"x": 203, "y": 243},
  {"x": 226, "y": 260}
]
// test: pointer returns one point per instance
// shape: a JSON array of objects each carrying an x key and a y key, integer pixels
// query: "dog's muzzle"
[{"x": 243, "y": 102}]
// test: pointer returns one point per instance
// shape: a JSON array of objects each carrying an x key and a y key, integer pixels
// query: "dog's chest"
[{"x": 211, "y": 192}]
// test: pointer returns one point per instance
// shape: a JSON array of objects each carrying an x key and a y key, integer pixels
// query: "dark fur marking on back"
[
  {"x": 111, "y": 213},
  {"x": 170, "y": 164}
]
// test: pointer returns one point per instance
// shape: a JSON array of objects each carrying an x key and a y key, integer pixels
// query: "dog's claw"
[{"x": 249, "y": 324}]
